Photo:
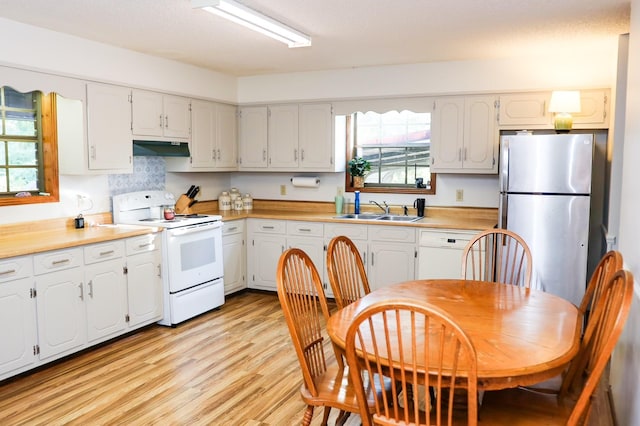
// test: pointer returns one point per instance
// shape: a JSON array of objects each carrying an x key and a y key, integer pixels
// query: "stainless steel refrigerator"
[{"x": 545, "y": 190}]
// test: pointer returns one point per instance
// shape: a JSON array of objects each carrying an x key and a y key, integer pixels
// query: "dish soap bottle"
[
  {"x": 356, "y": 203},
  {"x": 339, "y": 201}
]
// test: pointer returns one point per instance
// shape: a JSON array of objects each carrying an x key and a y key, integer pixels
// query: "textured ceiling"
[{"x": 345, "y": 33}]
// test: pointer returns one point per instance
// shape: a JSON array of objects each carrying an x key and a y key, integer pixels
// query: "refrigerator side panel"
[
  {"x": 556, "y": 229},
  {"x": 558, "y": 164}
]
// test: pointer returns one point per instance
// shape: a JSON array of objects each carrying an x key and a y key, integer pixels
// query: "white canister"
[
  {"x": 235, "y": 195},
  {"x": 224, "y": 201},
  {"x": 247, "y": 202},
  {"x": 237, "y": 204}
]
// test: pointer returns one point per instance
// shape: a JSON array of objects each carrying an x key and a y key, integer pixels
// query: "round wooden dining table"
[{"x": 521, "y": 336}]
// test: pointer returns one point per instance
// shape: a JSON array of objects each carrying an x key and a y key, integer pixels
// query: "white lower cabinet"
[
  {"x": 266, "y": 241},
  {"x": 233, "y": 253},
  {"x": 144, "y": 279},
  {"x": 60, "y": 302},
  {"x": 56, "y": 303},
  {"x": 17, "y": 316},
  {"x": 440, "y": 252},
  {"x": 388, "y": 252}
]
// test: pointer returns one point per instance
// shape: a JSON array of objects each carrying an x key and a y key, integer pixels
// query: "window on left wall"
[{"x": 28, "y": 148}]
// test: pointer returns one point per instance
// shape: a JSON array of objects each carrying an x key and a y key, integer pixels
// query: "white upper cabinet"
[
  {"x": 213, "y": 145},
  {"x": 316, "y": 144},
  {"x": 106, "y": 147},
  {"x": 531, "y": 110},
  {"x": 253, "y": 138},
  {"x": 283, "y": 137},
  {"x": 289, "y": 137},
  {"x": 156, "y": 115},
  {"x": 464, "y": 135}
]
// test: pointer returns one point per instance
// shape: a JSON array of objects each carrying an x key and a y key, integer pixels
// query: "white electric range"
[{"x": 192, "y": 265}]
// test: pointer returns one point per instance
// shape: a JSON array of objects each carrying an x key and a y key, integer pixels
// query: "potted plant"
[{"x": 358, "y": 169}]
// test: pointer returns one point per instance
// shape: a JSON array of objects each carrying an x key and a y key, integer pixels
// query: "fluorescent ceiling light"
[{"x": 256, "y": 21}]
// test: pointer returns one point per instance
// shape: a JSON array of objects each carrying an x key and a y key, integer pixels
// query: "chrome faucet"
[{"x": 385, "y": 209}]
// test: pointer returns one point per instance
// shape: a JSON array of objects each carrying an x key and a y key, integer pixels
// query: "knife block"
[{"x": 182, "y": 205}]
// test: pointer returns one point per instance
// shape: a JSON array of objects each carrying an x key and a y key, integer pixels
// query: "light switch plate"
[{"x": 459, "y": 194}]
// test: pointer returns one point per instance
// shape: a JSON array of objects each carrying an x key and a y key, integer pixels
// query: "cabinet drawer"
[
  {"x": 144, "y": 243},
  {"x": 268, "y": 226},
  {"x": 354, "y": 232},
  {"x": 106, "y": 251},
  {"x": 393, "y": 233},
  {"x": 57, "y": 261},
  {"x": 305, "y": 228},
  {"x": 233, "y": 227},
  {"x": 15, "y": 268}
]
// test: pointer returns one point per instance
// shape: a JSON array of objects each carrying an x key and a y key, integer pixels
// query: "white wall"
[{"x": 625, "y": 362}]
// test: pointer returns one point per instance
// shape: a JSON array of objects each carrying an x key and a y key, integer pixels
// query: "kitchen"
[{"x": 474, "y": 76}]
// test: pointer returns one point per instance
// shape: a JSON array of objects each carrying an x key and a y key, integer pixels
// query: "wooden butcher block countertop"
[{"x": 34, "y": 237}]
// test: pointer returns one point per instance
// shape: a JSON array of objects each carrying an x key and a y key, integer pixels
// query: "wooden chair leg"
[{"x": 308, "y": 415}]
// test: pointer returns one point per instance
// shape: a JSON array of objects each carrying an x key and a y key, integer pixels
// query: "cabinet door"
[
  {"x": 525, "y": 109},
  {"x": 253, "y": 137},
  {"x": 262, "y": 260},
  {"x": 316, "y": 143},
  {"x": 106, "y": 299},
  {"x": 18, "y": 325},
  {"x": 447, "y": 134},
  {"x": 234, "y": 262},
  {"x": 593, "y": 110},
  {"x": 481, "y": 137},
  {"x": 109, "y": 128},
  {"x": 283, "y": 137},
  {"x": 203, "y": 136},
  {"x": 61, "y": 312},
  {"x": 227, "y": 137},
  {"x": 144, "y": 288},
  {"x": 314, "y": 247},
  {"x": 147, "y": 113},
  {"x": 390, "y": 263},
  {"x": 177, "y": 117}
]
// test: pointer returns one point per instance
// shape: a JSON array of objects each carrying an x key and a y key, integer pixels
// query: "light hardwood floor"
[{"x": 233, "y": 366}]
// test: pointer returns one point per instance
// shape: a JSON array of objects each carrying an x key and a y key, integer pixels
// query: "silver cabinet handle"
[
  {"x": 8, "y": 272},
  {"x": 81, "y": 291},
  {"x": 161, "y": 122},
  {"x": 166, "y": 121},
  {"x": 264, "y": 155},
  {"x": 295, "y": 155},
  {"x": 90, "y": 284},
  {"x": 219, "y": 154},
  {"x": 372, "y": 262},
  {"x": 106, "y": 253},
  {"x": 60, "y": 262}
]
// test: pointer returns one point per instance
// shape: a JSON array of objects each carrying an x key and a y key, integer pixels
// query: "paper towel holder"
[{"x": 305, "y": 181}]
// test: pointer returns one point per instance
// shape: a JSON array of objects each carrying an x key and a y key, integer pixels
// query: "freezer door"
[
  {"x": 552, "y": 164},
  {"x": 556, "y": 229}
]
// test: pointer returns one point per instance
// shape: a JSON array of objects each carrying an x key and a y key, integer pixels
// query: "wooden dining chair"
[
  {"x": 303, "y": 302},
  {"x": 608, "y": 265},
  {"x": 572, "y": 406},
  {"x": 346, "y": 270},
  {"x": 497, "y": 255},
  {"x": 416, "y": 362}
]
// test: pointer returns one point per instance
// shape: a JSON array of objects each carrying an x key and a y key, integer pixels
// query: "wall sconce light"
[
  {"x": 254, "y": 20},
  {"x": 563, "y": 103}
]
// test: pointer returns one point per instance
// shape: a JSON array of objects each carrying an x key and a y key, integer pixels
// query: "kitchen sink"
[
  {"x": 373, "y": 216},
  {"x": 360, "y": 216},
  {"x": 392, "y": 218}
]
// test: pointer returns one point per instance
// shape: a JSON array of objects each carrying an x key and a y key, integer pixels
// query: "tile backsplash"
[{"x": 149, "y": 173}]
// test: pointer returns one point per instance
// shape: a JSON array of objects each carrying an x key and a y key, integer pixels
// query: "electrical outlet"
[
  {"x": 283, "y": 189},
  {"x": 459, "y": 194}
]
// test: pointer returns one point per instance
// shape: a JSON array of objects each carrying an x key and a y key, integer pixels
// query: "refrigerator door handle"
[
  {"x": 504, "y": 165},
  {"x": 502, "y": 211}
]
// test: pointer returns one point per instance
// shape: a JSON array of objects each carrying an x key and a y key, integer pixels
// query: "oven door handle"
[{"x": 194, "y": 229}]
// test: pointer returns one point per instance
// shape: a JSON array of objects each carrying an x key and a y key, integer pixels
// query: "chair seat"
[{"x": 506, "y": 407}]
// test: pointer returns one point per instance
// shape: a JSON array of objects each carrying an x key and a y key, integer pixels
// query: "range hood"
[{"x": 160, "y": 149}]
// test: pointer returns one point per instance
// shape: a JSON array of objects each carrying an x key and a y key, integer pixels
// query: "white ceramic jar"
[
  {"x": 247, "y": 202},
  {"x": 224, "y": 201}
]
